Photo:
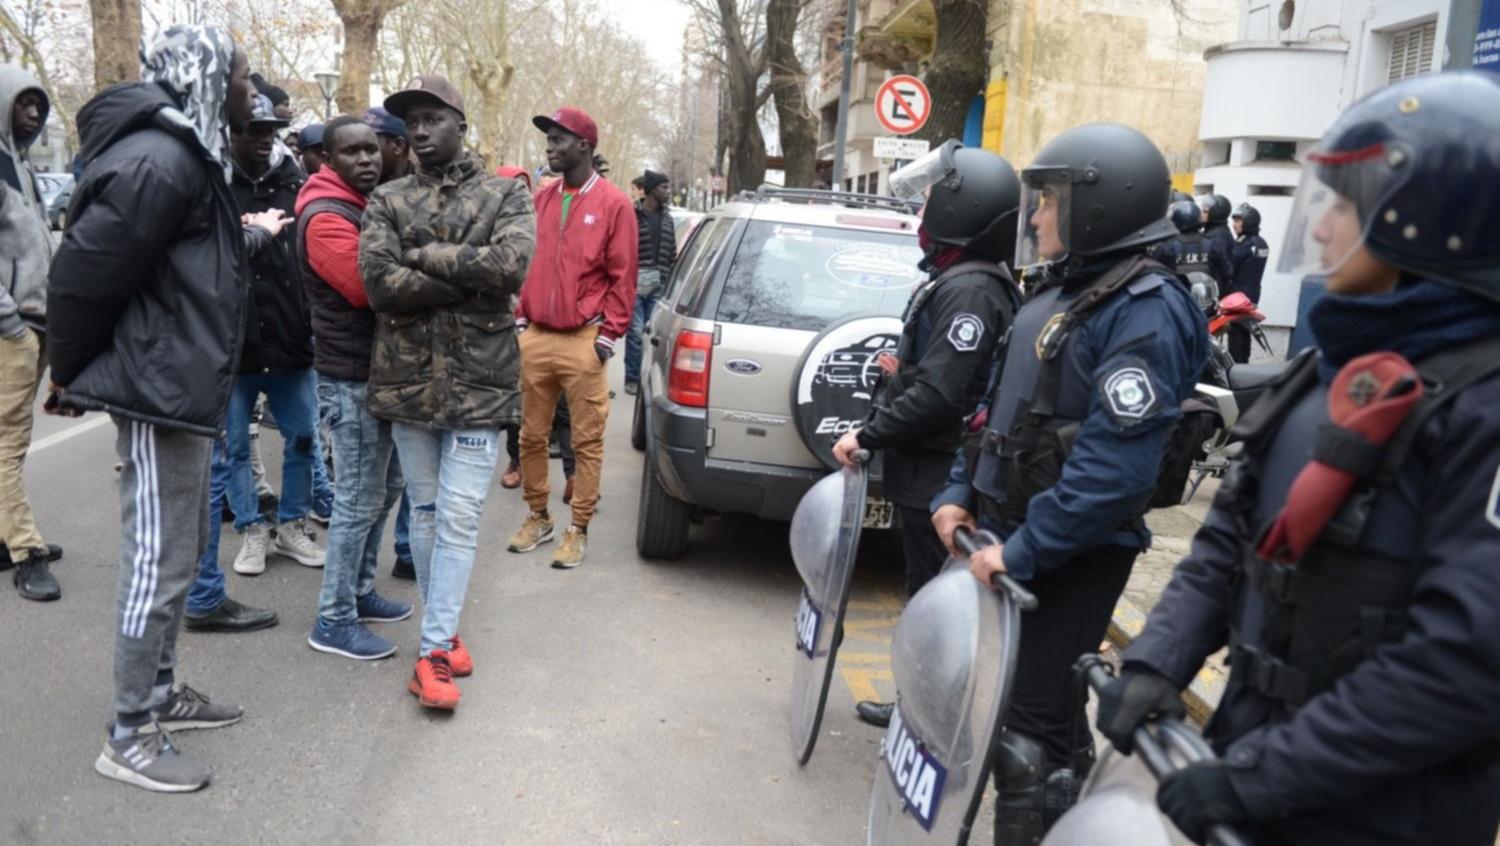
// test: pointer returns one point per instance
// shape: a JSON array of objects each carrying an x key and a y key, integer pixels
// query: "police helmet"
[
  {"x": 1217, "y": 206},
  {"x": 1186, "y": 217},
  {"x": 1181, "y": 197},
  {"x": 1416, "y": 168},
  {"x": 1249, "y": 216},
  {"x": 1107, "y": 185},
  {"x": 971, "y": 199}
]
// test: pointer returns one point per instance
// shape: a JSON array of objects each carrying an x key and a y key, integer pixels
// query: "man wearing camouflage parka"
[{"x": 442, "y": 251}]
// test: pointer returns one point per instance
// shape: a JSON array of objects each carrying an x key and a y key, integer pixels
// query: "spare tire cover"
[{"x": 837, "y": 379}]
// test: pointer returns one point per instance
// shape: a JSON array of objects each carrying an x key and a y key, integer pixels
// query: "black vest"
[{"x": 342, "y": 334}]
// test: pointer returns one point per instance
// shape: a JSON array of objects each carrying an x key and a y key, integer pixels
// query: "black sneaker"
[
  {"x": 34, "y": 579},
  {"x": 404, "y": 568},
  {"x": 149, "y": 760},
  {"x": 188, "y": 709},
  {"x": 230, "y": 616}
]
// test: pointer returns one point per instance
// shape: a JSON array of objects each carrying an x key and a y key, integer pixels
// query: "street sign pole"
[{"x": 841, "y": 132}]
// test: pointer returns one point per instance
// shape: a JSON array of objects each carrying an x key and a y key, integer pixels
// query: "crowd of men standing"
[{"x": 359, "y": 281}]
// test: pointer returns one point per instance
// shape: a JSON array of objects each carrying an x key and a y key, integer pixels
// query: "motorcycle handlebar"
[
  {"x": 1154, "y": 751},
  {"x": 970, "y": 542}
]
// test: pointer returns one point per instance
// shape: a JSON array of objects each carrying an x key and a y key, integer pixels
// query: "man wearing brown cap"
[
  {"x": 442, "y": 252},
  {"x": 575, "y": 306}
]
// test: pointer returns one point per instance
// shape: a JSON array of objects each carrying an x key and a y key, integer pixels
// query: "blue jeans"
[
  {"x": 207, "y": 592},
  {"x": 294, "y": 400},
  {"x": 638, "y": 318},
  {"x": 403, "y": 521},
  {"x": 364, "y": 463},
  {"x": 448, "y": 477}
]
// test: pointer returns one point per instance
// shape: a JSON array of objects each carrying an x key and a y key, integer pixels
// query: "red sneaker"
[
  {"x": 432, "y": 682},
  {"x": 459, "y": 660}
]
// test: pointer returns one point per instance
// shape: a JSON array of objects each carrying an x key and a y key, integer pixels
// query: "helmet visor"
[
  {"x": 1341, "y": 197},
  {"x": 1046, "y": 207},
  {"x": 912, "y": 182}
]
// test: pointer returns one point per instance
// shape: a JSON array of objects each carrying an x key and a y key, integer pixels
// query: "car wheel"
[
  {"x": 638, "y": 423},
  {"x": 661, "y": 524}
]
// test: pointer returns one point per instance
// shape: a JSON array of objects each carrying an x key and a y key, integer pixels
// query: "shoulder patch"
[
  {"x": 1147, "y": 283},
  {"x": 1129, "y": 393},
  {"x": 965, "y": 332},
  {"x": 1492, "y": 510}
]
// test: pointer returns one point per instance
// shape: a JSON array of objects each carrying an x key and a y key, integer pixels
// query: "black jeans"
[
  {"x": 924, "y": 551},
  {"x": 1076, "y": 602}
]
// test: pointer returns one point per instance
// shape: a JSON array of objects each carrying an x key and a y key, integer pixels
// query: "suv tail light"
[{"x": 687, "y": 383}]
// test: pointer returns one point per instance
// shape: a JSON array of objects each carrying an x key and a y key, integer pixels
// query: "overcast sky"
[{"x": 659, "y": 23}]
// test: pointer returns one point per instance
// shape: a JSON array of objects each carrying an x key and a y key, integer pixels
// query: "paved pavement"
[{"x": 624, "y": 702}]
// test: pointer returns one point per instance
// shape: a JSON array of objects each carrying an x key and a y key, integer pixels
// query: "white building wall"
[{"x": 1288, "y": 84}]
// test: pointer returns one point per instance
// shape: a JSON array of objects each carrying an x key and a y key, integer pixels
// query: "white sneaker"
[
  {"x": 294, "y": 540},
  {"x": 251, "y": 560}
]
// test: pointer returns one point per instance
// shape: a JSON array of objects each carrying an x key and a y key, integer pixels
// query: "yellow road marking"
[{"x": 860, "y": 681}]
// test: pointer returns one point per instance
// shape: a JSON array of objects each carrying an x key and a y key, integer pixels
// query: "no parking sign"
[{"x": 902, "y": 105}]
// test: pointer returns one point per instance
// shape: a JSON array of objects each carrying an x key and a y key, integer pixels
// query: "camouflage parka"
[{"x": 442, "y": 254}]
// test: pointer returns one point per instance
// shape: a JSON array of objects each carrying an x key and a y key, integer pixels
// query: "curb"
[{"x": 1202, "y": 695}]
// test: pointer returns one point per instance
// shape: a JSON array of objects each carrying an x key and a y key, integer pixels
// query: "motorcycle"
[{"x": 1118, "y": 800}]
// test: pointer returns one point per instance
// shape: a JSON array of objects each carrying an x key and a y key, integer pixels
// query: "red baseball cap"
[{"x": 571, "y": 120}]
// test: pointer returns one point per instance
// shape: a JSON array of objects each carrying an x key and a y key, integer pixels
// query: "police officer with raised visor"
[
  {"x": 1097, "y": 366},
  {"x": 942, "y": 363},
  {"x": 1354, "y": 569}
]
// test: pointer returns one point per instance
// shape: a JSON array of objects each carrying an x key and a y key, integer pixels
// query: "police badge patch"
[
  {"x": 965, "y": 332},
  {"x": 1129, "y": 394}
]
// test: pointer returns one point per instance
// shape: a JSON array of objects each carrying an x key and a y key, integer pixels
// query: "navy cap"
[
  {"x": 384, "y": 123},
  {"x": 310, "y": 135}
]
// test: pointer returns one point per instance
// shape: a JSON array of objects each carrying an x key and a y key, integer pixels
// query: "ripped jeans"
[
  {"x": 293, "y": 398},
  {"x": 448, "y": 477}
]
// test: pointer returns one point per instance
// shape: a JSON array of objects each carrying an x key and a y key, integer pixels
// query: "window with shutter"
[{"x": 1412, "y": 51}]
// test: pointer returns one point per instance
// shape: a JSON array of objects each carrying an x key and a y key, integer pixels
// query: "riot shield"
[
  {"x": 824, "y": 539},
  {"x": 952, "y": 654}
]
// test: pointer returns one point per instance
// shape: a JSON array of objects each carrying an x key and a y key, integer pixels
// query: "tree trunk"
[
  {"x": 798, "y": 124},
  {"x": 958, "y": 69},
  {"x": 362, "y": 20},
  {"x": 747, "y": 146},
  {"x": 117, "y": 41}
]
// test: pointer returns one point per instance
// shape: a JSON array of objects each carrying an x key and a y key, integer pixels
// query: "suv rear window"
[{"x": 807, "y": 277}]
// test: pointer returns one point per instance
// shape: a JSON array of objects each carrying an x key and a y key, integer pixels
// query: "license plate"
[
  {"x": 809, "y": 619},
  {"x": 879, "y": 513}
]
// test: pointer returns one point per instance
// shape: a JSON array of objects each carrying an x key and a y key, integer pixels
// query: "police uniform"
[
  {"x": 1249, "y": 264},
  {"x": 1124, "y": 372},
  {"x": 1220, "y": 241},
  {"x": 948, "y": 338},
  {"x": 1194, "y": 252}
]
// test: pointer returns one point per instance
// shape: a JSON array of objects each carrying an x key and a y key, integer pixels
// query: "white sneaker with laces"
[
  {"x": 251, "y": 560},
  {"x": 294, "y": 540}
]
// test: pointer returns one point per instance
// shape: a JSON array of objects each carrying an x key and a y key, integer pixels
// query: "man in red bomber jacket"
[{"x": 575, "y": 305}]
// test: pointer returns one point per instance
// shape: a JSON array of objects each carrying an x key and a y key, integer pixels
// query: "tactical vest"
[
  {"x": 1192, "y": 255},
  {"x": 1328, "y": 612},
  {"x": 905, "y": 348},
  {"x": 1028, "y": 438}
]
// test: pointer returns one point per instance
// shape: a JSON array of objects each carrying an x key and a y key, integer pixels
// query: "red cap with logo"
[{"x": 570, "y": 120}]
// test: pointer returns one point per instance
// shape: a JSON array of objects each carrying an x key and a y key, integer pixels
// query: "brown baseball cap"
[{"x": 431, "y": 88}]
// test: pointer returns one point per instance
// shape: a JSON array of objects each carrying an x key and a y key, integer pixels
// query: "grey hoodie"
[{"x": 25, "y": 238}]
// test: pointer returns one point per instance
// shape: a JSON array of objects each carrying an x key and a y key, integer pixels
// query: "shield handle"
[{"x": 970, "y": 542}]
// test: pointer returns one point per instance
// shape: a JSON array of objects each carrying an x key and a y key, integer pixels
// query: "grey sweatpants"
[{"x": 164, "y": 530}]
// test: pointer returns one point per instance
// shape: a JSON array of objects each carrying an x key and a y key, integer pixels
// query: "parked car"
[
  {"x": 760, "y": 278},
  {"x": 57, "y": 191},
  {"x": 683, "y": 223}
]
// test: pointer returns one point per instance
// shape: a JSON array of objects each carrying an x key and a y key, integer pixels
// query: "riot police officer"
[
  {"x": 1248, "y": 261},
  {"x": 951, "y": 326},
  {"x": 1215, "y": 216},
  {"x": 1351, "y": 562},
  {"x": 1096, "y": 368},
  {"x": 1192, "y": 254}
]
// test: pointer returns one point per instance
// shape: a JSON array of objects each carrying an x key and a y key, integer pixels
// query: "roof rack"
[{"x": 822, "y": 195}]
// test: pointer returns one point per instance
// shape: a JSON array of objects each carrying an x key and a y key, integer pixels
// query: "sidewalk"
[{"x": 1172, "y": 531}]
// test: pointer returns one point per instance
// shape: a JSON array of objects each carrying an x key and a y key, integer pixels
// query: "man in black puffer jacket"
[
  {"x": 277, "y": 360},
  {"x": 658, "y": 253}
]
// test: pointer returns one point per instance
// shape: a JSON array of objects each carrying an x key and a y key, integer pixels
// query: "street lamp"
[{"x": 328, "y": 83}]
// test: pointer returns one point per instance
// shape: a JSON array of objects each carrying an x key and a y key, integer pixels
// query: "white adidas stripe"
[{"x": 145, "y": 567}]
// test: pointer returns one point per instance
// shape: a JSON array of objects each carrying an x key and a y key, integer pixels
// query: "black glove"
[
  {"x": 604, "y": 350},
  {"x": 1133, "y": 698},
  {"x": 1198, "y": 796}
]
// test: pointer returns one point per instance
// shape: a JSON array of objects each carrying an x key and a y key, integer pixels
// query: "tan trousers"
[
  {"x": 554, "y": 363},
  {"x": 22, "y": 361}
]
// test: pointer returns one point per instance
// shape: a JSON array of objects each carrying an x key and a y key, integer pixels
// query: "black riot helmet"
[
  {"x": 1107, "y": 185},
  {"x": 1249, "y": 217},
  {"x": 1217, "y": 206},
  {"x": 1181, "y": 196},
  {"x": 971, "y": 199},
  {"x": 1186, "y": 217}
]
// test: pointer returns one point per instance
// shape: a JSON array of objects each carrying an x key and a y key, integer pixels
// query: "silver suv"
[{"x": 759, "y": 279}]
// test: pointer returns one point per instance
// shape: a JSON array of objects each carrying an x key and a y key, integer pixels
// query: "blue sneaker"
[
  {"x": 374, "y": 608},
  {"x": 322, "y": 509},
  {"x": 351, "y": 640}
]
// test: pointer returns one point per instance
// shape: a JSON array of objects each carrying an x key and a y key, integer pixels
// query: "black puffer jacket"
[
  {"x": 146, "y": 302},
  {"x": 278, "y": 331},
  {"x": 659, "y": 250}
]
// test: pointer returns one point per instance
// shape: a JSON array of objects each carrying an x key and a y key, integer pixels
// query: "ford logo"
[{"x": 742, "y": 366}]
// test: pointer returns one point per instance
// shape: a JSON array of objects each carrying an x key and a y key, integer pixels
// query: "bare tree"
[
  {"x": 362, "y": 20},
  {"x": 742, "y": 56},
  {"x": 958, "y": 68},
  {"x": 797, "y": 124},
  {"x": 117, "y": 39}
]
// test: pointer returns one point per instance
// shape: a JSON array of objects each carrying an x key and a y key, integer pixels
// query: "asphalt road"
[{"x": 624, "y": 702}]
